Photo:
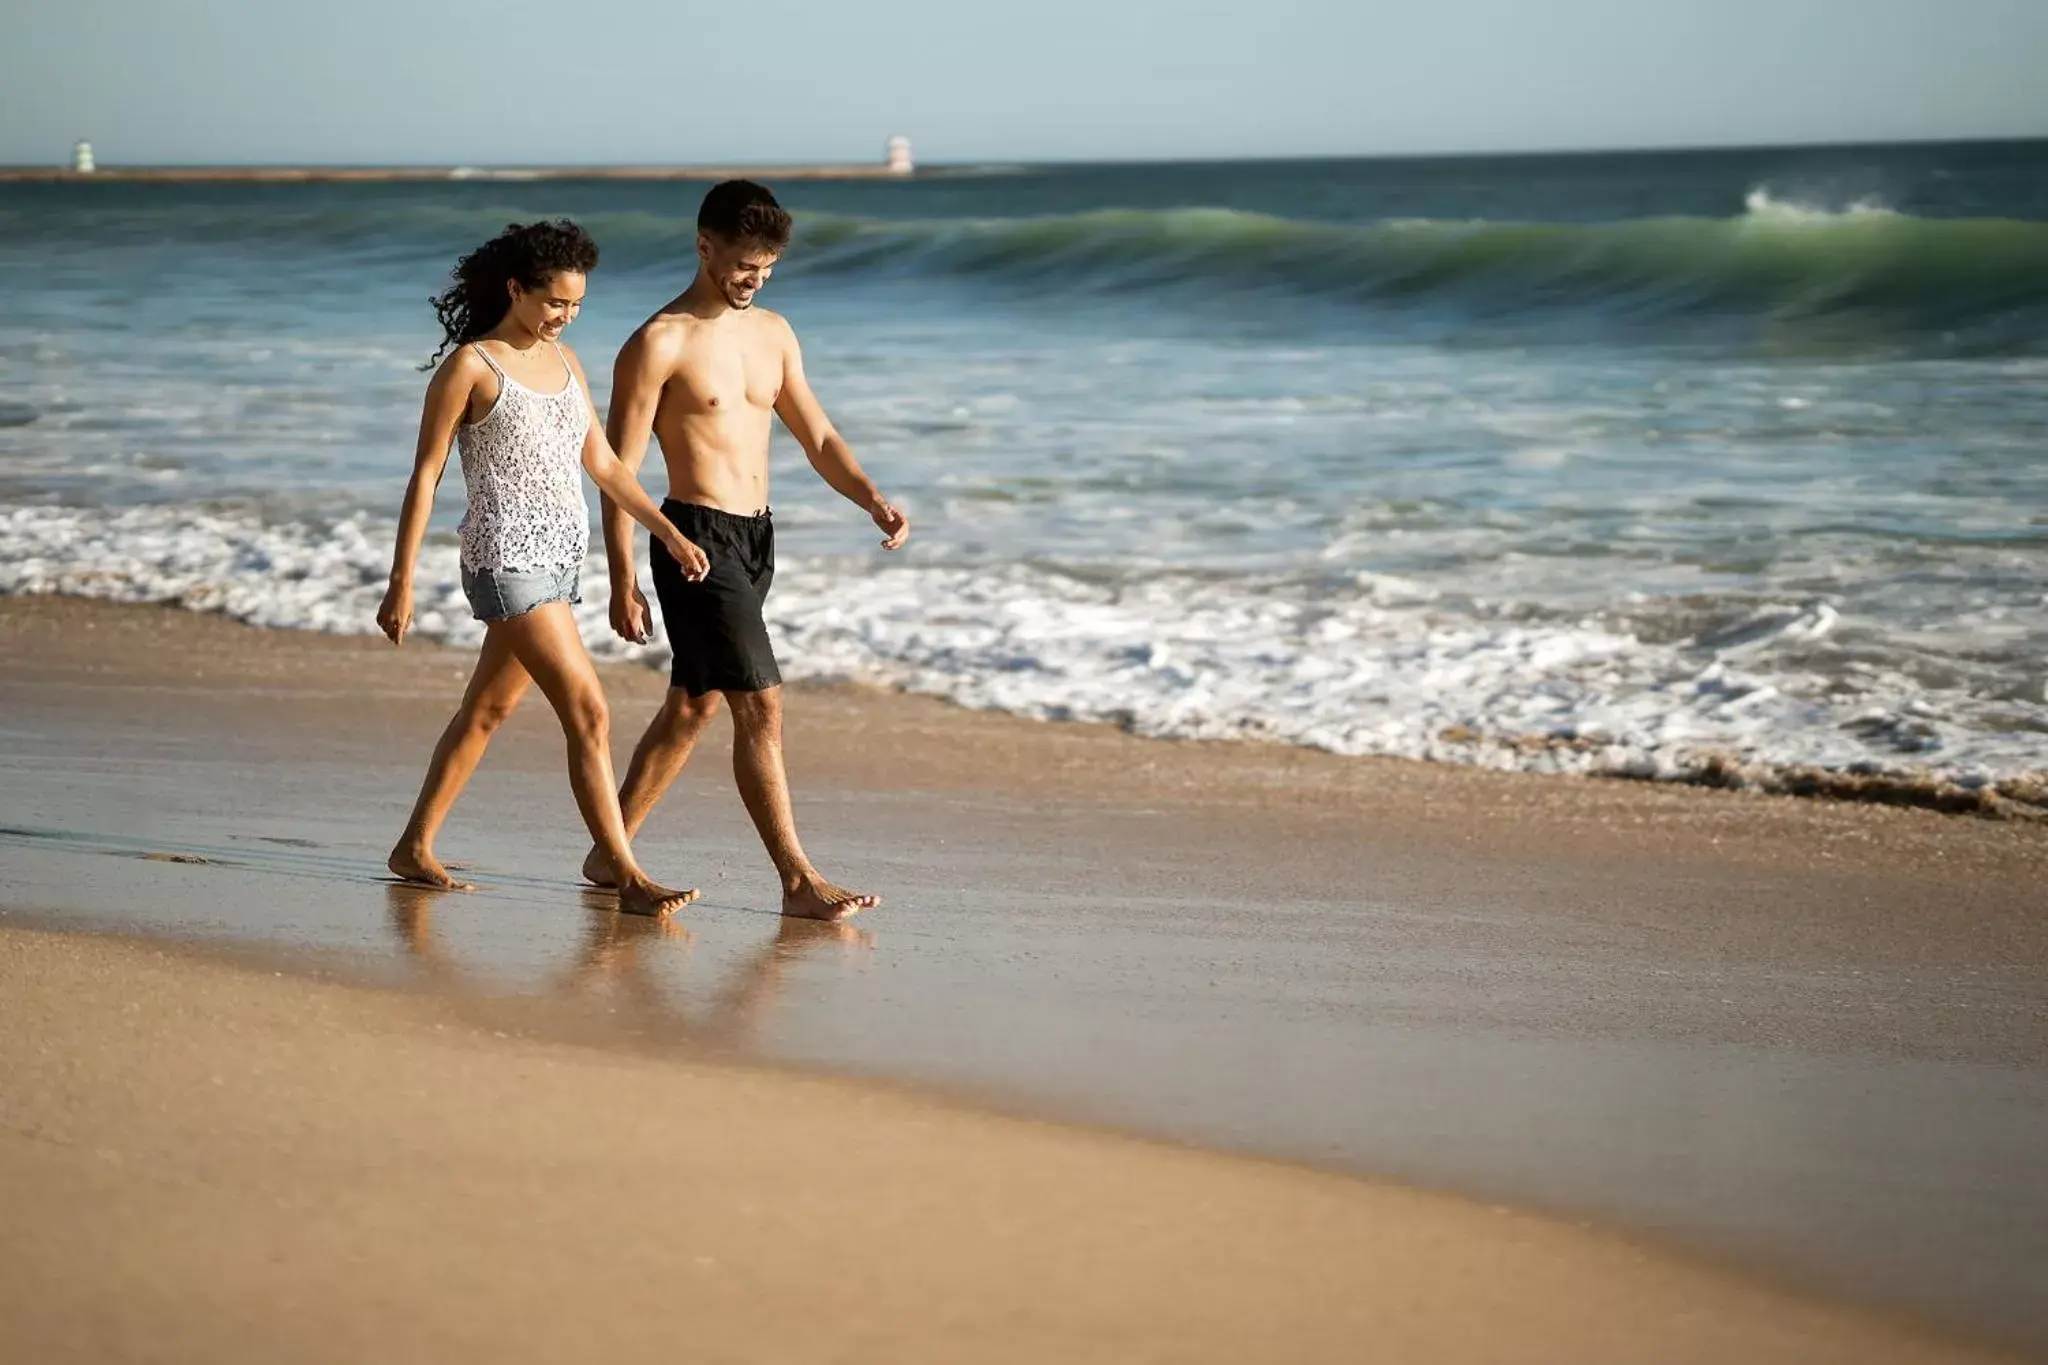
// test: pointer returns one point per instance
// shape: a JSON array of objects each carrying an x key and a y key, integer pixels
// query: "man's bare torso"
[{"x": 723, "y": 378}]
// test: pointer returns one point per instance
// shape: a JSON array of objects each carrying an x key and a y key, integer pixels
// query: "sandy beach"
[
  {"x": 211, "y": 1164},
  {"x": 1790, "y": 1052}
]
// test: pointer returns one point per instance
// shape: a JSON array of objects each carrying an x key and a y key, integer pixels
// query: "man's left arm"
[{"x": 827, "y": 450}]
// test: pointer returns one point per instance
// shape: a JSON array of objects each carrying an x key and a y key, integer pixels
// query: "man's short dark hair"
[{"x": 741, "y": 211}]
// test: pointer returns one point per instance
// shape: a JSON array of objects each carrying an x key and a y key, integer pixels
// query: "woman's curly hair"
[{"x": 531, "y": 253}]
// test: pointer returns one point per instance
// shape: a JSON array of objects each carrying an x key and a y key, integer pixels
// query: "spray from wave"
[{"x": 1762, "y": 203}]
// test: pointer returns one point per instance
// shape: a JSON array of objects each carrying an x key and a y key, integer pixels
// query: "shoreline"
[
  {"x": 1419, "y": 806},
  {"x": 1798, "y": 1037},
  {"x": 302, "y": 1168},
  {"x": 2019, "y": 797},
  {"x": 1808, "y": 803}
]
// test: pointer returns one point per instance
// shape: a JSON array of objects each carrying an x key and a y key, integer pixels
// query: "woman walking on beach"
[{"x": 515, "y": 400}]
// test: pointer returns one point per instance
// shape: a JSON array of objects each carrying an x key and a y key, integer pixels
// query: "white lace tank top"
[{"x": 523, "y": 467}]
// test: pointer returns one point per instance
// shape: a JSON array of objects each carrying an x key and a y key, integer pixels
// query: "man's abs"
[{"x": 716, "y": 459}]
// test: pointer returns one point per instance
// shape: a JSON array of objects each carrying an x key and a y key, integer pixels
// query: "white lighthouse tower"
[
  {"x": 81, "y": 158},
  {"x": 899, "y": 156}
]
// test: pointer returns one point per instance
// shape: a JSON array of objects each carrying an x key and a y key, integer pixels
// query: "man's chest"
[{"x": 729, "y": 378}]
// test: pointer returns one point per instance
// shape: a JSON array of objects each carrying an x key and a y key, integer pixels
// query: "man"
[{"x": 707, "y": 375}]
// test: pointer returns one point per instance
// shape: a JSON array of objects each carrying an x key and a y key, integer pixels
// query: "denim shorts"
[{"x": 501, "y": 594}]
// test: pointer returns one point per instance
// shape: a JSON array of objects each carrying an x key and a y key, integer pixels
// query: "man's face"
[{"x": 736, "y": 269}]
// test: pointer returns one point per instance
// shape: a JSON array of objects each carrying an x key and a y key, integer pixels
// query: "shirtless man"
[{"x": 707, "y": 375}]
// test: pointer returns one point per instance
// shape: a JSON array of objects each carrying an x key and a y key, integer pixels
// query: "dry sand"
[{"x": 209, "y": 1164}]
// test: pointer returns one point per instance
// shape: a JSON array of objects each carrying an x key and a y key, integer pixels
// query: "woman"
[{"x": 515, "y": 400}]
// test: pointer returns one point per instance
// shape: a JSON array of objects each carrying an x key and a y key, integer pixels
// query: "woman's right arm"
[{"x": 447, "y": 400}]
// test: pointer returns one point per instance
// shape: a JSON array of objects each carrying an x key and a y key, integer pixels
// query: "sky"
[{"x": 498, "y": 82}]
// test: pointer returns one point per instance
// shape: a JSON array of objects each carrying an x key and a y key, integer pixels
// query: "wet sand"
[{"x": 1802, "y": 1038}]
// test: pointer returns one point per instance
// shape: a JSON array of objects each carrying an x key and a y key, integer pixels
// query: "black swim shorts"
[{"x": 715, "y": 626}]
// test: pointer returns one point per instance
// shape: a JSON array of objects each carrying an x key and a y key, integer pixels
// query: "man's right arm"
[{"x": 637, "y": 379}]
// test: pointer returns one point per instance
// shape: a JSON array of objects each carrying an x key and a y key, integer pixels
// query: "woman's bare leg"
[
  {"x": 495, "y": 688},
  {"x": 546, "y": 642}
]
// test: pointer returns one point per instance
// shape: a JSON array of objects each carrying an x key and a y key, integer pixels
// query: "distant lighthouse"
[
  {"x": 81, "y": 158},
  {"x": 899, "y": 156}
]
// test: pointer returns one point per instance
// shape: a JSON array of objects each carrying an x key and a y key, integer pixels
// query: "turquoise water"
[{"x": 1569, "y": 463}]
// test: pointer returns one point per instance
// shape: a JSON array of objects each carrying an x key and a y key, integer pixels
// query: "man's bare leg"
[
  {"x": 658, "y": 760},
  {"x": 493, "y": 694},
  {"x": 546, "y": 641},
  {"x": 764, "y": 787}
]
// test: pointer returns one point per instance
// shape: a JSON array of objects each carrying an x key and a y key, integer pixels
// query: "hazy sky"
[{"x": 509, "y": 81}]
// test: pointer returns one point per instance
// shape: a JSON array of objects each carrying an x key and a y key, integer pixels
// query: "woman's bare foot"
[
  {"x": 597, "y": 869},
  {"x": 816, "y": 898},
  {"x": 644, "y": 897},
  {"x": 410, "y": 863}
]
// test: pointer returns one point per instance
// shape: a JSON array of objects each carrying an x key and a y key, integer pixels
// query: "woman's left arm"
[{"x": 621, "y": 485}]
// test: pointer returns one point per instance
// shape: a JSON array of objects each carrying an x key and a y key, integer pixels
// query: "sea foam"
[
  {"x": 1760, "y": 202},
  {"x": 1361, "y": 665}
]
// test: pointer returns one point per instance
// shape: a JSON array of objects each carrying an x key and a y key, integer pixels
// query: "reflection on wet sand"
[{"x": 612, "y": 963}]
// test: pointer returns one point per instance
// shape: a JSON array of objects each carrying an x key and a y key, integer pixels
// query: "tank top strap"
[
  {"x": 496, "y": 368},
  {"x": 568, "y": 372}
]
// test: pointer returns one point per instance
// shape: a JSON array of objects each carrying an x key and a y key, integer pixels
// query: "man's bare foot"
[
  {"x": 411, "y": 864},
  {"x": 644, "y": 897},
  {"x": 597, "y": 869},
  {"x": 816, "y": 898}
]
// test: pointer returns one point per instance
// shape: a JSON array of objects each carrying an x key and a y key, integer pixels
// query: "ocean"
[{"x": 1716, "y": 465}]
